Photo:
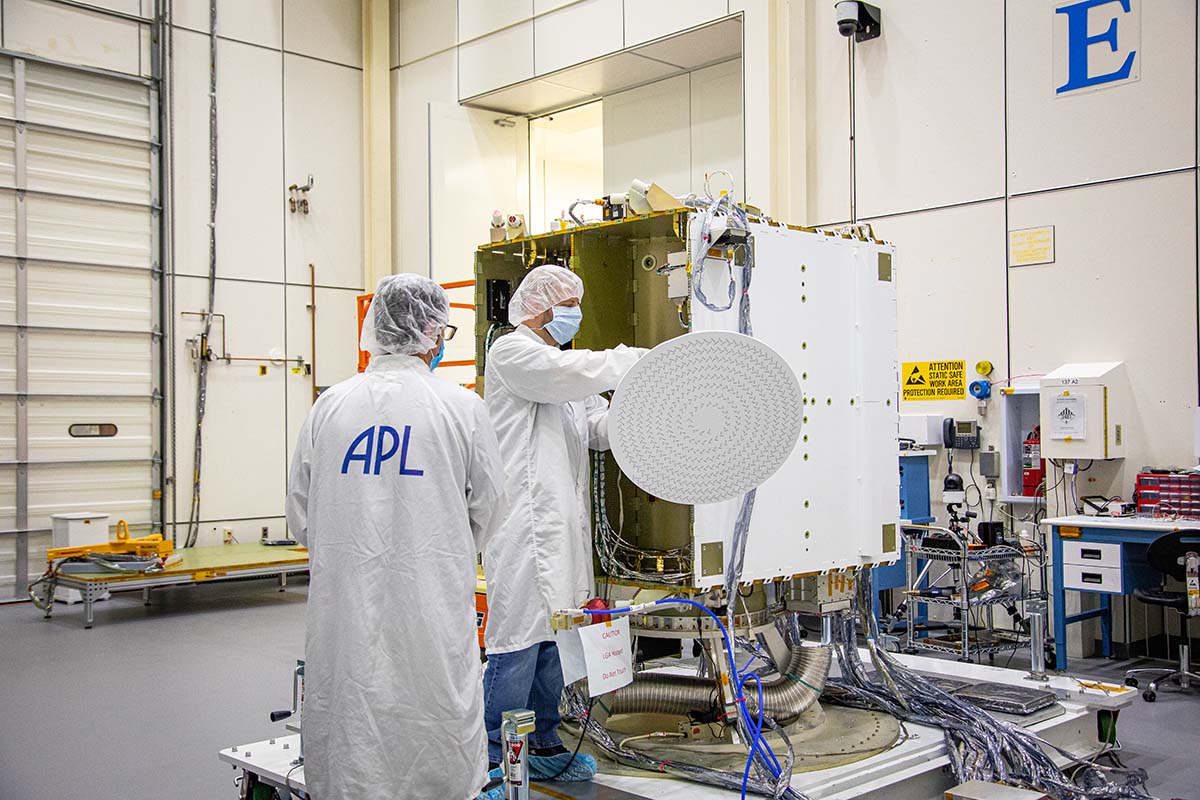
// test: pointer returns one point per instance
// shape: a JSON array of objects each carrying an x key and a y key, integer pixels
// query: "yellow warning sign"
[{"x": 933, "y": 380}]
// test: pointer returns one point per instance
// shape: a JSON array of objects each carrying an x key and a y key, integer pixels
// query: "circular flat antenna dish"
[{"x": 705, "y": 417}]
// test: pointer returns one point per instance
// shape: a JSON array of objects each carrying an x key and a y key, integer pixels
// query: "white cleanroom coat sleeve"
[
  {"x": 298, "y": 484},
  {"x": 485, "y": 480},
  {"x": 597, "y": 422},
  {"x": 546, "y": 374}
]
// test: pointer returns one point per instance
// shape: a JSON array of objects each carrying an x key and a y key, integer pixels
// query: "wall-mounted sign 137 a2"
[{"x": 1097, "y": 44}]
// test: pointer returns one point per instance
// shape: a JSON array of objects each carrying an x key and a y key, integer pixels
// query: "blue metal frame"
[
  {"x": 914, "y": 508},
  {"x": 1135, "y": 573}
]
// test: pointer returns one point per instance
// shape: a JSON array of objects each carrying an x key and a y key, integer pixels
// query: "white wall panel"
[
  {"x": 647, "y": 136},
  {"x": 542, "y": 6},
  {"x": 337, "y": 348},
  {"x": 8, "y": 166},
  {"x": 1128, "y": 129},
  {"x": 126, "y": 6},
  {"x": 578, "y": 33},
  {"x": 475, "y": 166},
  {"x": 827, "y": 119},
  {"x": 72, "y": 230},
  {"x": 255, "y": 21},
  {"x": 8, "y": 430},
  {"x": 212, "y": 532},
  {"x": 50, "y": 422},
  {"x": 323, "y": 136},
  {"x": 119, "y": 490},
  {"x": 243, "y": 475},
  {"x": 63, "y": 297},
  {"x": 646, "y": 21},
  {"x": 72, "y": 35},
  {"x": 86, "y": 167},
  {"x": 937, "y": 254},
  {"x": 8, "y": 293},
  {"x": 325, "y": 29},
  {"x": 965, "y": 242},
  {"x": 191, "y": 152},
  {"x": 716, "y": 127},
  {"x": 8, "y": 223},
  {"x": 70, "y": 99},
  {"x": 1089, "y": 306},
  {"x": 6, "y": 87},
  {"x": 930, "y": 108},
  {"x": 479, "y": 17},
  {"x": 252, "y": 192},
  {"x": 496, "y": 60},
  {"x": 426, "y": 27},
  {"x": 413, "y": 88},
  {"x": 8, "y": 361},
  {"x": 83, "y": 363}
]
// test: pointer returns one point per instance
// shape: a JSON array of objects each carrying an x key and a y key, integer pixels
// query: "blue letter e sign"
[{"x": 1098, "y": 44}]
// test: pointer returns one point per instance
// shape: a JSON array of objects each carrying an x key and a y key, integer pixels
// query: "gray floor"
[{"x": 139, "y": 706}]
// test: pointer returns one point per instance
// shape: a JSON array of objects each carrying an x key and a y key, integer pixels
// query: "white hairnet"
[
  {"x": 405, "y": 316},
  {"x": 543, "y": 288}
]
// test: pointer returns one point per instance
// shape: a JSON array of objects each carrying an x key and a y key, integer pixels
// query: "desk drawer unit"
[
  {"x": 1092, "y": 579},
  {"x": 1092, "y": 554}
]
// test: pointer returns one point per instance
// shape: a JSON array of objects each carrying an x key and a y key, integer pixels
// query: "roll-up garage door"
[{"x": 79, "y": 306}]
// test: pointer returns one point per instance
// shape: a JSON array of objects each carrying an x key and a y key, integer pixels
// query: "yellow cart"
[{"x": 198, "y": 565}]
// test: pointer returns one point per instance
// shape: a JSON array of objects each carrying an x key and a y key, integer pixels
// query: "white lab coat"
[
  {"x": 393, "y": 701},
  {"x": 546, "y": 407}
]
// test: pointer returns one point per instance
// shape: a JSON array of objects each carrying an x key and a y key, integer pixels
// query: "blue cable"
[
  {"x": 757, "y": 740},
  {"x": 757, "y": 730}
]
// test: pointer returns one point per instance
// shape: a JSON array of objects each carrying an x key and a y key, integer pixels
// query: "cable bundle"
[{"x": 981, "y": 747}]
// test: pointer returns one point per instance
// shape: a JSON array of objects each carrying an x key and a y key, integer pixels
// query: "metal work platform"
[
  {"x": 912, "y": 769},
  {"x": 198, "y": 565}
]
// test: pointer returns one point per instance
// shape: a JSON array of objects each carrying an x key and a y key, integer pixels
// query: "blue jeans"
[{"x": 529, "y": 678}]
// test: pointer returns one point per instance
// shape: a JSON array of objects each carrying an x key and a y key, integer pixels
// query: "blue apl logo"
[
  {"x": 1096, "y": 44},
  {"x": 376, "y": 445}
]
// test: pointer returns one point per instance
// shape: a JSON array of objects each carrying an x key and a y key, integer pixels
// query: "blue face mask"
[
  {"x": 438, "y": 358},
  {"x": 565, "y": 324}
]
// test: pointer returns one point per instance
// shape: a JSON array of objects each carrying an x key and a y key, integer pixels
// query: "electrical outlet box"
[
  {"x": 989, "y": 463},
  {"x": 227, "y": 535}
]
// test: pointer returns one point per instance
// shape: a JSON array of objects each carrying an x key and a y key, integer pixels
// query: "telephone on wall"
[{"x": 960, "y": 434}]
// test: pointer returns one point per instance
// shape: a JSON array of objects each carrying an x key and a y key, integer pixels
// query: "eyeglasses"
[{"x": 449, "y": 332}]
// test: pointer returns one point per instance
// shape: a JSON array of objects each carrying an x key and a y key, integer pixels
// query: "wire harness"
[{"x": 980, "y": 746}]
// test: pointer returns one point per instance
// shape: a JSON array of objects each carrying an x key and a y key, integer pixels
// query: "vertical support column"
[
  {"x": 21, "y": 568},
  {"x": 157, "y": 342},
  {"x": 377, "y": 143},
  {"x": 1036, "y": 611}
]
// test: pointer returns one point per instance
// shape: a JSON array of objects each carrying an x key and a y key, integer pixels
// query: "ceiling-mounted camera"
[{"x": 860, "y": 20}]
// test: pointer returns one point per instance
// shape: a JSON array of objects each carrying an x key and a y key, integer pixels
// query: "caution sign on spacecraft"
[{"x": 933, "y": 380}]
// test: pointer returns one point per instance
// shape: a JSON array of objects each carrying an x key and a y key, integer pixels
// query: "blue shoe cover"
[
  {"x": 498, "y": 792},
  {"x": 543, "y": 768}
]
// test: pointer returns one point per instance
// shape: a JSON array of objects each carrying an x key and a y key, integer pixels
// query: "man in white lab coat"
[
  {"x": 545, "y": 405},
  {"x": 395, "y": 486}
]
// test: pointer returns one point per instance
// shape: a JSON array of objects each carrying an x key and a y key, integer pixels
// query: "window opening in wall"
[
  {"x": 566, "y": 163},
  {"x": 81, "y": 430}
]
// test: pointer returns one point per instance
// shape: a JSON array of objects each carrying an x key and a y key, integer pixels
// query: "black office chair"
[{"x": 1169, "y": 555}]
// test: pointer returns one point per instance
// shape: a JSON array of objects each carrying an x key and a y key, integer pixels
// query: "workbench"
[
  {"x": 912, "y": 769},
  {"x": 197, "y": 565},
  {"x": 1104, "y": 556}
]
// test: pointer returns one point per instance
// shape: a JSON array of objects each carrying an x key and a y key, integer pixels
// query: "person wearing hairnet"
[
  {"x": 394, "y": 487},
  {"x": 545, "y": 403}
]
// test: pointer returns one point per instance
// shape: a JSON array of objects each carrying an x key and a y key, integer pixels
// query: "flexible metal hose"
[{"x": 784, "y": 699}]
